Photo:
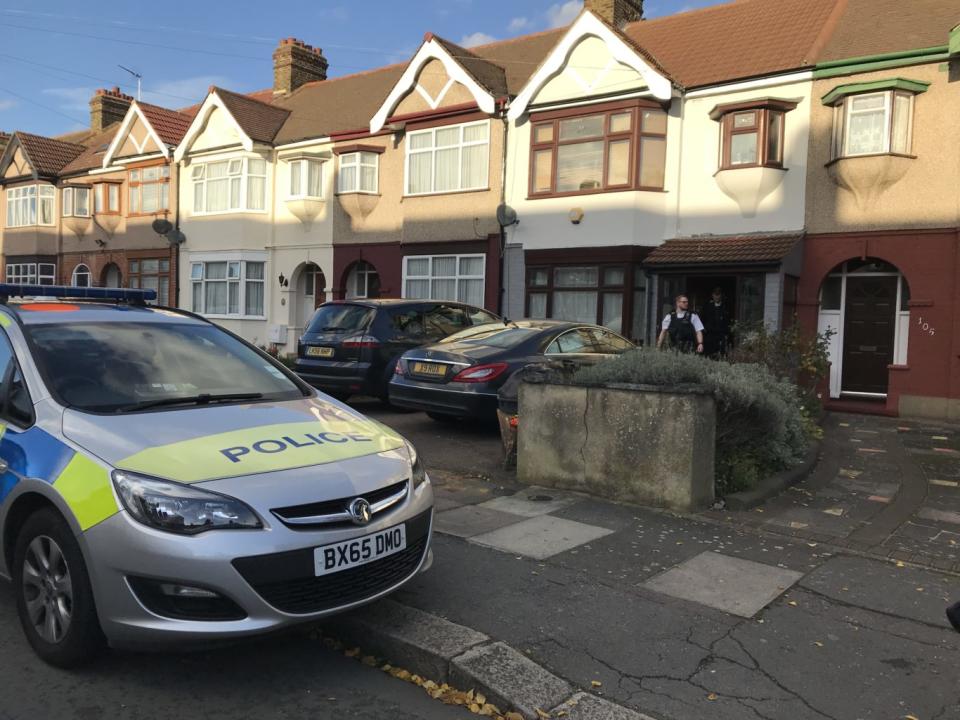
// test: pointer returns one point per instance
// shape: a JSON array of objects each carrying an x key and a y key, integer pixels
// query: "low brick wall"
[{"x": 632, "y": 443}]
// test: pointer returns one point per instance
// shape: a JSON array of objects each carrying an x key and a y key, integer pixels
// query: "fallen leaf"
[
  {"x": 480, "y": 698},
  {"x": 900, "y": 564},
  {"x": 919, "y": 589},
  {"x": 596, "y": 683},
  {"x": 513, "y": 716},
  {"x": 369, "y": 660},
  {"x": 792, "y": 603},
  {"x": 818, "y": 643},
  {"x": 542, "y": 715},
  {"x": 712, "y": 697}
]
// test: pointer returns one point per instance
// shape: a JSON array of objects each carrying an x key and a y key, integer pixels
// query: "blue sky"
[{"x": 53, "y": 55}]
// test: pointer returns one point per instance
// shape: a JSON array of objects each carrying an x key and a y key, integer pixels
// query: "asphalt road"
[{"x": 288, "y": 676}]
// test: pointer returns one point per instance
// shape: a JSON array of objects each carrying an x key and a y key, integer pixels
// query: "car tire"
[{"x": 55, "y": 599}]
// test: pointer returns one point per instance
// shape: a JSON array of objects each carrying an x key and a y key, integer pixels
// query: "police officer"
[
  {"x": 716, "y": 320},
  {"x": 683, "y": 327}
]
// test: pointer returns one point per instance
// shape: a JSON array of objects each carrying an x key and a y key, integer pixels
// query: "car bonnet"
[{"x": 198, "y": 444}]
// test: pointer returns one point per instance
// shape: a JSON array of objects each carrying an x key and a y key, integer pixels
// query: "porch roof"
[{"x": 725, "y": 249}]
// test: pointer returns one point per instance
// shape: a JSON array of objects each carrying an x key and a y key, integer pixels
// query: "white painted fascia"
[
  {"x": 303, "y": 143},
  {"x": 585, "y": 26},
  {"x": 7, "y": 157},
  {"x": 133, "y": 112},
  {"x": 431, "y": 50},
  {"x": 766, "y": 82},
  {"x": 211, "y": 103},
  {"x": 591, "y": 101}
]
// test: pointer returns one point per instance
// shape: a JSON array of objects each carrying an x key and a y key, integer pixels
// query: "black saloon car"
[
  {"x": 460, "y": 376},
  {"x": 350, "y": 347}
]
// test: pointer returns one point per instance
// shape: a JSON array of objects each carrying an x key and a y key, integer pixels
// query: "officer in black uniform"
[
  {"x": 682, "y": 327},
  {"x": 716, "y": 321}
]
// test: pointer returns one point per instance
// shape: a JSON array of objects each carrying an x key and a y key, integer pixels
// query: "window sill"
[
  {"x": 313, "y": 198},
  {"x": 870, "y": 155},
  {"x": 750, "y": 167},
  {"x": 25, "y": 227},
  {"x": 446, "y": 192},
  {"x": 341, "y": 193},
  {"x": 147, "y": 214},
  {"x": 220, "y": 213},
  {"x": 599, "y": 191}
]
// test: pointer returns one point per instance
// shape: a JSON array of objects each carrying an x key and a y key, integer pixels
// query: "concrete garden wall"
[{"x": 632, "y": 443}]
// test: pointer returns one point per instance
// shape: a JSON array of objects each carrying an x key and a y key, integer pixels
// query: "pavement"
[{"x": 826, "y": 602}]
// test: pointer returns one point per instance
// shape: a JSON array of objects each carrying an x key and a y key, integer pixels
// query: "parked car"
[
  {"x": 350, "y": 347},
  {"x": 461, "y": 375},
  {"x": 163, "y": 481}
]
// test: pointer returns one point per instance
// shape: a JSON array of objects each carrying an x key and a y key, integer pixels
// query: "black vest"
[{"x": 681, "y": 330}]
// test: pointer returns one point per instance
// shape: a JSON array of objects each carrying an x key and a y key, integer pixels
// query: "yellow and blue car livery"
[{"x": 321, "y": 508}]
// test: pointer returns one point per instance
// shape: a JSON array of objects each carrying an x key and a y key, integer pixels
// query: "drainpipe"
[
  {"x": 501, "y": 295},
  {"x": 176, "y": 229}
]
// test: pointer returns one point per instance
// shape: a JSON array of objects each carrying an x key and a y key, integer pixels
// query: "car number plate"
[
  {"x": 320, "y": 351},
  {"x": 435, "y": 369},
  {"x": 359, "y": 551}
]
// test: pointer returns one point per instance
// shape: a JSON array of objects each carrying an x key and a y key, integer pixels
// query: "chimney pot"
[
  {"x": 108, "y": 106},
  {"x": 616, "y": 12}
]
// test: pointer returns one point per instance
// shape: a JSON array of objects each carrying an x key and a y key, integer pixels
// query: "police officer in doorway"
[
  {"x": 717, "y": 321},
  {"x": 683, "y": 327}
]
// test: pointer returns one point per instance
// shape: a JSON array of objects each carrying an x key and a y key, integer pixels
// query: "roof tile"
[
  {"x": 259, "y": 120},
  {"x": 48, "y": 155},
  {"x": 756, "y": 248}
]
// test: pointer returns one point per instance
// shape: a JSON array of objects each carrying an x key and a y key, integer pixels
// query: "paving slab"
[
  {"x": 584, "y": 706},
  {"x": 473, "y": 520},
  {"x": 509, "y": 679},
  {"x": 733, "y": 585},
  {"x": 532, "y": 502},
  {"x": 541, "y": 537}
]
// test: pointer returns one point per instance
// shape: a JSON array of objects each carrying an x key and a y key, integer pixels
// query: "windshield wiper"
[{"x": 201, "y": 399}]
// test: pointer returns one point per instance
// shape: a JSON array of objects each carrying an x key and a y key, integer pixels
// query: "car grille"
[
  {"x": 287, "y": 581},
  {"x": 329, "y": 512}
]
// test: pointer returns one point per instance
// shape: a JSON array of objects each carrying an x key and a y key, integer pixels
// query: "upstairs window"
[
  {"x": 446, "y": 159},
  {"x": 237, "y": 185},
  {"x": 873, "y": 124},
  {"x": 622, "y": 149},
  {"x": 76, "y": 202},
  {"x": 30, "y": 205},
  {"x": 106, "y": 199},
  {"x": 306, "y": 179},
  {"x": 359, "y": 173},
  {"x": 752, "y": 138},
  {"x": 149, "y": 190}
]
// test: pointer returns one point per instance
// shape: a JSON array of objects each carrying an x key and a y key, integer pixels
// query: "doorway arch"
[
  {"x": 111, "y": 277},
  {"x": 310, "y": 287},
  {"x": 864, "y": 304}
]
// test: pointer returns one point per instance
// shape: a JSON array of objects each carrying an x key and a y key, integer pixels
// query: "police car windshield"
[{"x": 123, "y": 366}]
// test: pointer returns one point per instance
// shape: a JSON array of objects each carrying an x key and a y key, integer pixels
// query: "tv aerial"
[{"x": 135, "y": 74}]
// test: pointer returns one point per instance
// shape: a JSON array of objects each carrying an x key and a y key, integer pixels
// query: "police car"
[{"x": 161, "y": 480}]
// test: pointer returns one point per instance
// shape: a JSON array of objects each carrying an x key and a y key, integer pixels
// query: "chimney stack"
[
  {"x": 616, "y": 12},
  {"x": 294, "y": 64},
  {"x": 108, "y": 107}
]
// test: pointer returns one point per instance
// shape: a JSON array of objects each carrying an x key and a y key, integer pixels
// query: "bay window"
[
  {"x": 76, "y": 202},
  {"x": 232, "y": 185},
  {"x": 624, "y": 148},
  {"x": 445, "y": 277},
  {"x": 306, "y": 179},
  {"x": 752, "y": 132},
  {"x": 149, "y": 190},
  {"x": 359, "y": 173},
  {"x": 31, "y": 273},
  {"x": 106, "y": 199},
  {"x": 30, "y": 205},
  {"x": 234, "y": 287},
  {"x": 448, "y": 159},
  {"x": 873, "y": 124}
]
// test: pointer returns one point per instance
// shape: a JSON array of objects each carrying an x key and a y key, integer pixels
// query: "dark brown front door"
[{"x": 869, "y": 330}]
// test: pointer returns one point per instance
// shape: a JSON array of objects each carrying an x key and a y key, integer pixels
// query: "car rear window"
[
  {"x": 493, "y": 335},
  {"x": 340, "y": 318},
  {"x": 112, "y": 366}
]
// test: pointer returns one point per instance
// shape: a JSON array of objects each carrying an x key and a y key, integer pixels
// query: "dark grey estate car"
[{"x": 351, "y": 347}]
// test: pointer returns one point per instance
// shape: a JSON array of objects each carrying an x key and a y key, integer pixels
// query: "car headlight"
[
  {"x": 178, "y": 508},
  {"x": 417, "y": 473}
]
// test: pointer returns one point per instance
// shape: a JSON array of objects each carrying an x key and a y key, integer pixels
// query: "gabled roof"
[
  {"x": 169, "y": 125},
  {"x": 489, "y": 75},
  {"x": 92, "y": 155},
  {"x": 259, "y": 120},
  {"x": 740, "y": 40},
  {"x": 48, "y": 156},
  {"x": 875, "y": 27},
  {"x": 756, "y": 248}
]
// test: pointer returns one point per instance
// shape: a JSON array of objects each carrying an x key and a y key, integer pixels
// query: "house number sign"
[{"x": 926, "y": 327}]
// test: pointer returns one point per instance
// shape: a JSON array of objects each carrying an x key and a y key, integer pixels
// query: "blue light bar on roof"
[{"x": 9, "y": 290}]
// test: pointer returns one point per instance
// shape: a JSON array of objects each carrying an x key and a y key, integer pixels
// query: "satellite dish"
[
  {"x": 161, "y": 226},
  {"x": 506, "y": 215},
  {"x": 176, "y": 237}
]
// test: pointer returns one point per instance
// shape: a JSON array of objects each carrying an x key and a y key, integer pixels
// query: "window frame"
[
  {"x": 432, "y": 150},
  {"x": 625, "y": 289},
  {"x": 244, "y": 176},
  {"x": 101, "y": 197},
  {"x": 761, "y": 126},
  {"x": 354, "y": 159},
  {"x": 634, "y": 135},
  {"x": 365, "y": 269},
  {"x": 430, "y": 277},
  {"x": 843, "y": 109},
  {"x": 31, "y": 277},
  {"x": 135, "y": 274},
  {"x": 135, "y": 189},
  {"x": 241, "y": 280},
  {"x": 69, "y": 202},
  {"x": 303, "y": 174},
  {"x": 77, "y": 272},
  {"x": 42, "y": 194}
]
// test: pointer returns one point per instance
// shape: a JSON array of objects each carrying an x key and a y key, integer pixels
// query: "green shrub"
[{"x": 762, "y": 426}]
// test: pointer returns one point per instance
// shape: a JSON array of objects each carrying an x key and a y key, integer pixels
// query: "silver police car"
[{"x": 163, "y": 481}]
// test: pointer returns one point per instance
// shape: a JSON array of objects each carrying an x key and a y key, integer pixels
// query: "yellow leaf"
[
  {"x": 792, "y": 603},
  {"x": 712, "y": 696},
  {"x": 487, "y": 710},
  {"x": 818, "y": 643},
  {"x": 920, "y": 589},
  {"x": 470, "y": 695},
  {"x": 480, "y": 698},
  {"x": 542, "y": 715},
  {"x": 369, "y": 660},
  {"x": 513, "y": 716},
  {"x": 596, "y": 683},
  {"x": 474, "y": 708},
  {"x": 910, "y": 717},
  {"x": 900, "y": 564},
  {"x": 429, "y": 685}
]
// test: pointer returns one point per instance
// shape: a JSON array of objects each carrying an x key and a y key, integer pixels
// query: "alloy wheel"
[{"x": 47, "y": 589}]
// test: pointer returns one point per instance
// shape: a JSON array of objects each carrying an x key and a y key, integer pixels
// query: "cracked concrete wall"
[{"x": 635, "y": 445}]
